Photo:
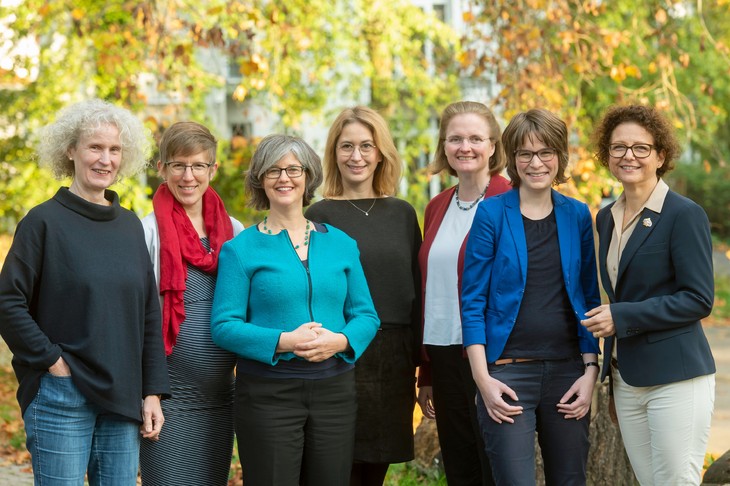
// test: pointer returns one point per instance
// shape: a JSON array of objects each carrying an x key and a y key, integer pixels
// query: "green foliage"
[
  {"x": 710, "y": 187},
  {"x": 721, "y": 309},
  {"x": 578, "y": 58},
  {"x": 294, "y": 57},
  {"x": 408, "y": 474}
]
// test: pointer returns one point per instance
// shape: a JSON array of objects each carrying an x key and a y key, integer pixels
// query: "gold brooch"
[{"x": 646, "y": 222}]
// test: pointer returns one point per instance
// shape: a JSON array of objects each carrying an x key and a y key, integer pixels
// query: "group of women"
[{"x": 498, "y": 305}]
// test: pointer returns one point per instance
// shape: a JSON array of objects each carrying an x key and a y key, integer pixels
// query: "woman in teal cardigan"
[{"x": 293, "y": 303}]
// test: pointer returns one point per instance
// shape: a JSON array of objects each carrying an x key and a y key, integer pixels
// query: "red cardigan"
[{"x": 435, "y": 211}]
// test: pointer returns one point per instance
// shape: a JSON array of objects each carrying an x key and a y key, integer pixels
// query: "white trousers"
[{"x": 665, "y": 428}]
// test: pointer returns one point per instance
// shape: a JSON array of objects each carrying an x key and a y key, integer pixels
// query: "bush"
[{"x": 710, "y": 188}]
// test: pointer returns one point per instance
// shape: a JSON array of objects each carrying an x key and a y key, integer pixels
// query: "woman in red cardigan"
[{"x": 470, "y": 149}]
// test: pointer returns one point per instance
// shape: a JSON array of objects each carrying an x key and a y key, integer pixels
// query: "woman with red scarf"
[{"x": 184, "y": 235}]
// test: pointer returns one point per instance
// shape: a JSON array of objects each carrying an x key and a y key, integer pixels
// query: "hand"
[
  {"x": 60, "y": 368},
  {"x": 425, "y": 401},
  {"x": 500, "y": 411},
  {"x": 600, "y": 322},
  {"x": 304, "y": 333},
  {"x": 152, "y": 418},
  {"x": 582, "y": 390},
  {"x": 324, "y": 346}
]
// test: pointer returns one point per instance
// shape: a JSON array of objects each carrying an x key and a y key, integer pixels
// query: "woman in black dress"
[{"x": 362, "y": 173}]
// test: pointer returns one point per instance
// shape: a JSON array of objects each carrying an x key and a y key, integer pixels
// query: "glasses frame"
[
  {"x": 358, "y": 147},
  {"x": 186, "y": 167},
  {"x": 278, "y": 170},
  {"x": 630, "y": 147},
  {"x": 534, "y": 153},
  {"x": 474, "y": 141}
]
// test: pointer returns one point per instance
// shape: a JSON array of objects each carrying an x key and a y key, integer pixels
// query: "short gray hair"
[
  {"x": 87, "y": 117},
  {"x": 270, "y": 151}
]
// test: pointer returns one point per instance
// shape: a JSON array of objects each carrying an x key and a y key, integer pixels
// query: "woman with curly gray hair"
[{"x": 80, "y": 311}]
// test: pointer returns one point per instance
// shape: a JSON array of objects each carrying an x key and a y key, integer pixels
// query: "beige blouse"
[{"x": 621, "y": 234}]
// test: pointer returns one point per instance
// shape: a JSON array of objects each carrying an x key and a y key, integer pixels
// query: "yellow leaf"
[
  {"x": 77, "y": 14},
  {"x": 618, "y": 73},
  {"x": 684, "y": 59},
  {"x": 239, "y": 94},
  {"x": 633, "y": 71},
  {"x": 468, "y": 16}
]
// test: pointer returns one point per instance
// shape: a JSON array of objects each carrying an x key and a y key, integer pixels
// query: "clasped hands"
[{"x": 312, "y": 342}]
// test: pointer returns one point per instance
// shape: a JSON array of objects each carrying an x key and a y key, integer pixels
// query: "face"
[
  {"x": 357, "y": 169},
  {"x": 537, "y": 175},
  {"x": 628, "y": 169},
  {"x": 285, "y": 190},
  {"x": 467, "y": 144},
  {"x": 188, "y": 188},
  {"x": 97, "y": 157}
]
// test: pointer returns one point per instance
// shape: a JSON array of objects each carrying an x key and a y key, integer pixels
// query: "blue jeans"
[
  {"x": 564, "y": 444},
  {"x": 68, "y": 435}
]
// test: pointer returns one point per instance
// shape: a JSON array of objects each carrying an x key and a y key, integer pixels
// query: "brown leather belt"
[
  {"x": 614, "y": 362},
  {"x": 504, "y": 361}
]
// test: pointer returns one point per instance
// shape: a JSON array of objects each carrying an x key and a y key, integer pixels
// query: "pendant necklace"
[
  {"x": 307, "y": 230},
  {"x": 474, "y": 202},
  {"x": 366, "y": 213}
]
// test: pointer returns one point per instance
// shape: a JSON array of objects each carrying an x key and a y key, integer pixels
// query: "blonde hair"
[
  {"x": 387, "y": 173},
  {"x": 496, "y": 161},
  {"x": 86, "y": 118}
]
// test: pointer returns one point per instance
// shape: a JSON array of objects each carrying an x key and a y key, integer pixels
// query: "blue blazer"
[
  {"x": 665, "y": 285},
  {"x": 495, "y": 270}
]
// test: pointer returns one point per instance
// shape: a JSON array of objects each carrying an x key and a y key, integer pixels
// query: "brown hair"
[
  {"x": 187, "y": 138},
  {"x": 546, "y": 127},
  {"x": 649, "y": 118}
]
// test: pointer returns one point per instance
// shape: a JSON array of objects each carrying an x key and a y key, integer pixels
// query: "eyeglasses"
[
  {"x": 348, "y": 148},
  {"x": 178, "y": 168},
  {"x": 292, "y": 171},
  {"x": 474, "y": 141},
  {"x": 640, "y": 150},
  {"x": 526, "y": 156}
]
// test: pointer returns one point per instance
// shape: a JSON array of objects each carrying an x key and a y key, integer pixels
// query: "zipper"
[{"x": 309, "y": 276}]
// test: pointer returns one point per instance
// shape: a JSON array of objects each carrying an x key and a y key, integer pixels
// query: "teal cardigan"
[{"x": 263, "y": 289}]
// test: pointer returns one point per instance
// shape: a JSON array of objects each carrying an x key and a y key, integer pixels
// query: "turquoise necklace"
[{"x": 307, "y": 230}]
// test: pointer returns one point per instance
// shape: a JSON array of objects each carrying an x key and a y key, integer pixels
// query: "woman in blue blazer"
[
  {"x": 655, "y": 256},
  {"x": 529, "y": 277}
]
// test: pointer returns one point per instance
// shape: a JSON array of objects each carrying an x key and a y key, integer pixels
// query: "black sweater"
[
  {"x": 388, "y": 239},
  {"x": 78, "y": 283}
]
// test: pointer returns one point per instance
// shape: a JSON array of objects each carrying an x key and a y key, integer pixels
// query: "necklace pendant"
[{"x": 367, "y": 214}]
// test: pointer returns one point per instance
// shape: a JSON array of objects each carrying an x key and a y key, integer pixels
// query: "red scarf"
[{"x": 179, "y": 245}]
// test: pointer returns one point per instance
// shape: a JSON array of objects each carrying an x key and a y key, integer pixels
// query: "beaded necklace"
[
  {"x": 474, "y": 202},
  {"x": 307, "y": 230}
]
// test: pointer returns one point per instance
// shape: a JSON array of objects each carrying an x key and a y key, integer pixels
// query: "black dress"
[{"x": 388, "y": 238}]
